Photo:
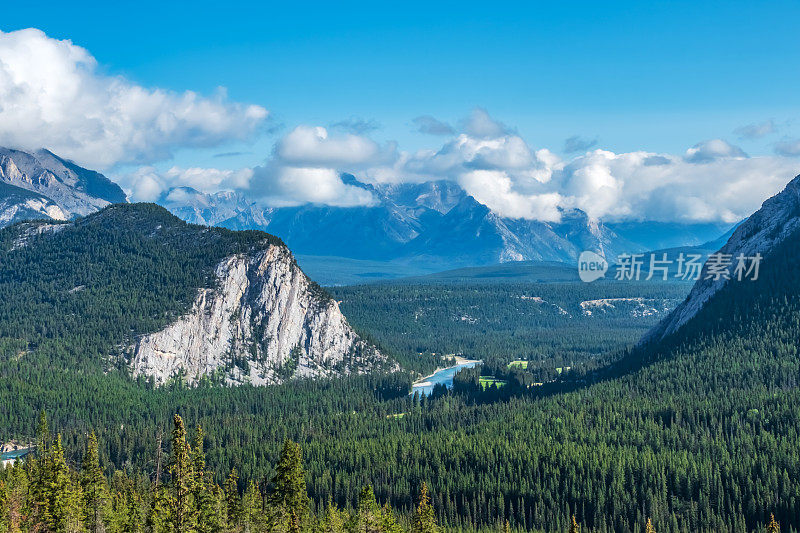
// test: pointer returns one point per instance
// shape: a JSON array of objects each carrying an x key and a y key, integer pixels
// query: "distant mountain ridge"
[
  {"x": 431, "y": 223},
  {"x": 422, "y": 227},
  {"x": 43, "y": 185}
]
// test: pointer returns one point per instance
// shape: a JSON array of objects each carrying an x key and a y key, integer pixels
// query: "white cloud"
[
  {"x": 711, "y": 181},
  {"x": 146, "y": 184},
  {"x": 314, "y": 147},
  {"x": 711, "y": 150},
  {"x": 53, "y": 95},
  {"x": 613, "y": 186},
  {"x": 480, "y": 124},
  {"x": 280, "y": 185},
  {"x": 496, "y": 190}
]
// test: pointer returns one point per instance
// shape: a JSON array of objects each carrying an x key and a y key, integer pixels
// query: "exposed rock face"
[
  {"x": 777, "y": 219},
  {"x": 263, "y": 323},
  {"x": 42, "y": 185}
]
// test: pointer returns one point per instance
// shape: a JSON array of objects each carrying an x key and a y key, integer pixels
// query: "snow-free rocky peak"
[
  {"x": 262, "y": 323},
  {"x": 43, "y": 185},
  {"x": 777, "y": 219}
]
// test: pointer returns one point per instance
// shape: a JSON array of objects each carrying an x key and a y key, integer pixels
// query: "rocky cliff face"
[
  {"x": 263, "y": 323},
  {"x": 42, "y": 185},
  {"x": 778, "y": 218}
]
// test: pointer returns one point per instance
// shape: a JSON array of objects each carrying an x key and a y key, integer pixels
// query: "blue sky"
[{"x": 653, "y": 76}]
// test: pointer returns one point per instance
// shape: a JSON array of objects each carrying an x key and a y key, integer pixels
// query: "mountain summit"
[
  {"x": 43, "y": 185},
  {"x": 761, "y": 233},
  {"x": 435, "y": 223},
  {"x": 134, "y": 287}
]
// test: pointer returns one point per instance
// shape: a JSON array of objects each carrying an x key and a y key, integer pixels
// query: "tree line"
[{"x": 45, "y": 494}]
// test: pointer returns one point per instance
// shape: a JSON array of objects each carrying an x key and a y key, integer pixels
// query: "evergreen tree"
[
  {"x": 158, "y": 518},
  {"x": 232, "y": 503},
  {"x": 252, "y": 515},
  {"x": 424, "y": 520},
  {"x": 389, "y": 523},
  {"x": 63, "y": 507},
  {"x": 182, "y": 507},
  {"x": 93, "y": 485},
  {"x": 5, "y": 519},
  {"x": 288, "y": 503},
  {"x": 369, "y": 513},
  {"x": 209, "y": 519},
  {"x": 37, "y": 509},
  {"x": 332, "y": 521},
  {"x": 773, "y": 526}
]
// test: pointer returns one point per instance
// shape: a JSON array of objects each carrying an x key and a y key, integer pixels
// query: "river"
[{"x": 441, "y": 377}]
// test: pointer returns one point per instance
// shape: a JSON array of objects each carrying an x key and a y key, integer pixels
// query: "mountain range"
[
  {"x": 430, "y": 226},
  {"x": 410, "y": 228}
]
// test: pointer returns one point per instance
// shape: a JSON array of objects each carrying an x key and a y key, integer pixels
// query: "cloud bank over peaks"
[
  {"x": 147, "y": 184},
  {"x": 712, "y": 181},
  {"x": 53, "y": 95}
]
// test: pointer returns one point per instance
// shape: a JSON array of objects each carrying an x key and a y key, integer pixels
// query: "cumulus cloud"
[
  {"x": 613, "y": 186},
  {"x": 147, "y": 184},
  {"x": 712, "y": 181},
  {"x": 313, "y": 147},
  {"x": 497, "y": 190},
  {"x": 711, "y": 150},
  {"x": 279, "y": 185},
  {"x": 576, "y": 143},
  {"x": 53, "y": 95},
  {"x": 755, "y": 130},
  {"x": 432, "y": 126}
]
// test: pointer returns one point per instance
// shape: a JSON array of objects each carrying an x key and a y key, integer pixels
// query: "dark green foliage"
[
  {"x": 288, "y": 501},
  {"x": 698, "y": 433},
  {"x": 543, "y": 323},
  {"x": 424, "y": 520},
  {"x": 95, "y": 491},
  {"x": 59, "y": 506},
  {"x": 76, "y": 294}
]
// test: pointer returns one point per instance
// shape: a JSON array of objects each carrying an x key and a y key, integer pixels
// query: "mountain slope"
[
  {"x": 767, "y": 228},
  {"x": 133, "y": 287},
  {"x": 57, "y": 189},
  {"x": 432, "y": 225},
  {"x": 18, "y": 204},
  {"x": 427, "y": 223}
]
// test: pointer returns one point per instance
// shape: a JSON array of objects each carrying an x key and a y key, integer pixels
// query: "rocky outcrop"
[
  {"x": 778, "y": 218},
  {"x": 263, "y": 323},
  {"x": 42, "y": 185}
]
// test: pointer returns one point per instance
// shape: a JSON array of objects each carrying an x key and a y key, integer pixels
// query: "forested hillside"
[
  {"x": 547, "y": 324},
  {"x": 133, "y": 288},
  {"x": 74, "y": 293},
  {"x": 697, "y": 433}
]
